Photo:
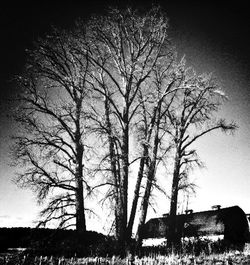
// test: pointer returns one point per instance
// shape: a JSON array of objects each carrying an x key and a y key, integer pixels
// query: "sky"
[{"x": 213, "y": 37}]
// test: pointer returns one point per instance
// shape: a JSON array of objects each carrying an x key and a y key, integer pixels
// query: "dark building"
[{"x": 229, "y": 222}]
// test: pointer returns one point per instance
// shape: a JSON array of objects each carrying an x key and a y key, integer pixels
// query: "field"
[{"x": 229, "y": 258}]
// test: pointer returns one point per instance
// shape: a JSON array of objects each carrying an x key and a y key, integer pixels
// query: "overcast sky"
[{"x": 214, "y": 38}]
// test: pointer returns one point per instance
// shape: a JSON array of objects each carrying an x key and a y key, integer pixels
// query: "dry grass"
[{"x": 229, "y": 258}]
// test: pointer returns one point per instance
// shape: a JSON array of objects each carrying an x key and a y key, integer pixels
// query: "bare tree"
[
  {"x": 192, "y": 116},
  {"x": 163, "y": 89},
  {"x": 123, "y": 49},
  {"x": 51, "y": 142}
]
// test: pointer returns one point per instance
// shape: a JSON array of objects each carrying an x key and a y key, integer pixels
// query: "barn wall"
[{"x": 230, "y": 222}]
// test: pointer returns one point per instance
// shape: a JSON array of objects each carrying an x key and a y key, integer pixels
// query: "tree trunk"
[
  {"x": 80, "y": 213},
  {"x": 123, "y": 196},
  {"x": 143, "y": 160},
  {"x": 150, "y": 179},
  {"x": 144, "y": 204},
  {"x": 136, "y": 192},
  {"x": 113, "y": 164},
  {"x": 172, "y": 236}
]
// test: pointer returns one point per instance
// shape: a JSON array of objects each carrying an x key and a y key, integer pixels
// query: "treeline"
[{"x": 45, "y": 241}]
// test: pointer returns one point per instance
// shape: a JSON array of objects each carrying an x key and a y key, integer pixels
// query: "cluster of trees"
[{"x": 109, "y": 98}]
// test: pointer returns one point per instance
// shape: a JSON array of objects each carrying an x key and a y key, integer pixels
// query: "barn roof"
[{"x": 230, "y": 222}]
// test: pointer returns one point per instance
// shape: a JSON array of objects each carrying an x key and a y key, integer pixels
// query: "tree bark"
[
  {"x": 113, "y": 161},
  {"x": 150, "y": 179},
  {"x": 80, "y": 211},
  {"x": 144, "y": 205},
  {"x": 136, "y": 192},
  {"x": 123, "y": 194},
  {"x": 143, "y": 160},
  {"x": 80, "y": 214},
  {"x": 172, "y": 237}
]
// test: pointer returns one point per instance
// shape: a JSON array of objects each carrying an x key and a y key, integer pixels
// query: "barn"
[{"x": 231, "y": 223}]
